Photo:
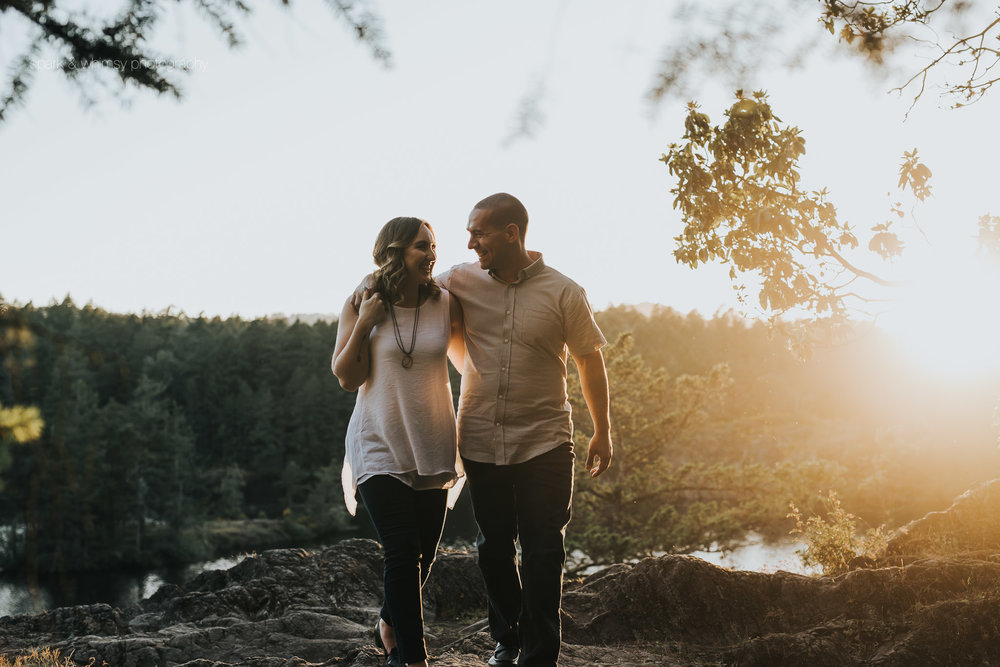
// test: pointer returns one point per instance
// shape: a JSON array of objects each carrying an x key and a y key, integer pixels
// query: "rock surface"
[
  {"x": 290, "y": 607},
  {"x": 968, "y": 527}
]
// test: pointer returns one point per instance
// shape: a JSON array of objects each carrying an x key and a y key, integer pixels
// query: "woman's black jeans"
[{"x": 409, "y": 525}]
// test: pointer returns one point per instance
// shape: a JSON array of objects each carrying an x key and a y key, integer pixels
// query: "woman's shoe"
[
  {"x": 393, "y": 659},
  {"x": 378, "y": 637}
]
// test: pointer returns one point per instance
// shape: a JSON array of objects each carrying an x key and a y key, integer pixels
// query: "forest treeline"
[
  {"x": 718, "y": 427},
  {"x": 156, "y": 424}
]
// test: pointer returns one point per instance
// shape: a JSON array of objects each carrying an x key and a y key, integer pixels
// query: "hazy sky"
[{"x": 263, "y": 189}]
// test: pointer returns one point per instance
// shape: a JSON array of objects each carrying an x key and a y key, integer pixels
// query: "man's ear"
[{"x": 511, "y": 233}]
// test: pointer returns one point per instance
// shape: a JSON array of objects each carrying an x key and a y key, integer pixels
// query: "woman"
[{"x": 401, "y": 449}]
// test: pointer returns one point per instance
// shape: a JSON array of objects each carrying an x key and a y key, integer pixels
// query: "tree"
[
  {"x": 740, "y": 201},
  {"x": 989, "y": 234},
  {"x": 87, "y": 47},
  {"x": 833, "y": 543},
  {"x": 877, "y": 28},
  {"x": 154, "y": 423},
  {"x": 668, "y": 491},
  {"x": 18, "y": 423},
  {"x": 231, "y": 493},
  {"x": 957, "y": 40}
]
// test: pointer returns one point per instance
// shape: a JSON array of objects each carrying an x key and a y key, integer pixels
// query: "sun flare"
[{"x": 948, "y": 319}]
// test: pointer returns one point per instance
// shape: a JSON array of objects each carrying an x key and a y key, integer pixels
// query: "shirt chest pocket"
[{"x": 538, "y": 328}]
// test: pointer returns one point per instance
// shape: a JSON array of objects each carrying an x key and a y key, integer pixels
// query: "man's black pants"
[
  {"x": 409, "y": 525},
  {"x": 529, "y": 501}
]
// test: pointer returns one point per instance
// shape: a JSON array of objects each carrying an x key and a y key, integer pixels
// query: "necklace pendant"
[{"x": 407, "y": 360}]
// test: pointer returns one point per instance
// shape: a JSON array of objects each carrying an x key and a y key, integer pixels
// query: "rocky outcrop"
[
  {"x": 284, "y": 606},
  {"x": 968, "y": 527},
  {"x": 290, "y": 607},
  {"x": 890, "y": 616}
]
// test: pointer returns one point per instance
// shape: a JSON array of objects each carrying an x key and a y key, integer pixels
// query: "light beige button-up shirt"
[{"x": 514, "y": 404}]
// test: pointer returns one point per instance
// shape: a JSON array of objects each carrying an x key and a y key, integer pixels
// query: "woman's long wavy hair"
[{"x": 390, "y": 246}]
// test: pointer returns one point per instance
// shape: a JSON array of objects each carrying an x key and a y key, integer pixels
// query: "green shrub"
[{"x": 833, "y": 542}]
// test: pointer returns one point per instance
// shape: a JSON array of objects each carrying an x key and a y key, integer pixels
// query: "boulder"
[
  {"x": 969, "y": 527},
  {"x": 293, "y": 608}
]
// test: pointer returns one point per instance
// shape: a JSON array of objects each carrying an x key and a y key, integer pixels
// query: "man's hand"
[
  {"x": 600, "y": 452},
  {"x": 361, "y": 292},
  {"x": 594, "y": 383},
  {"x": 372, "y": 309}
]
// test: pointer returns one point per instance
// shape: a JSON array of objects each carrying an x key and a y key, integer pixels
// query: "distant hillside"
[
  {"x": 305, "y": 318},
  {"x": 645, "y": 308}
]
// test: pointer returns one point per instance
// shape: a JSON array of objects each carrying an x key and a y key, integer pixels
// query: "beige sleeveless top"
[{"x": 403, "y": 423}]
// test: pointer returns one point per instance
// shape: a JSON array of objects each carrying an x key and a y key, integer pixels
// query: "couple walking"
[{"x": 506, "y": 322}]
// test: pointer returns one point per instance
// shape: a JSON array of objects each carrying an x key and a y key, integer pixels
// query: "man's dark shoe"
[
  {"x": 393, "y": 659},
  {"x": 504, "y": 656}
]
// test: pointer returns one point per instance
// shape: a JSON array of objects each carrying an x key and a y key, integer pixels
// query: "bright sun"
[{"x": 949, "y": 318}]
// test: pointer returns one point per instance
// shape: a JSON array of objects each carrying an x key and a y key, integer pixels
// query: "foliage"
[
  {"x": 833, "y": 542},
  {"x": 856, "y": 416},
  {"x": 155, "y": 424},
  {"x": 45, "y": 657},
  {"x": 118, "y": 45},
  {"x": 876, "y": 28},
  {"x": 231, "y": 493},
  {"x": 741, "y": 203},
  {"x": 148, "y": 418},
  {"x": 730, "y": 41},
  {"x": 989, "y": 235},
  {"x": 20, "y": 423},
  {"x": 955, "y": 41},
  {"x": 661, "y": 496}
]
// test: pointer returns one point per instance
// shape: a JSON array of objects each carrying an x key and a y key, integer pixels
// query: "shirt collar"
[{"x": 529, "y": 271}]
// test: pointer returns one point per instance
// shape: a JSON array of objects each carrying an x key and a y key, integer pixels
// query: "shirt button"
[
  {"x": 498, "y": 423},
  {"x": 506, "y": 340},
  {"x": 504, "y": 369},
  {"x": 499, "y": 395},
  {"x": 508, "y": 312}
]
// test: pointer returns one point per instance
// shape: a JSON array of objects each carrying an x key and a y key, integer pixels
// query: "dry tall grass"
[{"x": 45, "y": 657}]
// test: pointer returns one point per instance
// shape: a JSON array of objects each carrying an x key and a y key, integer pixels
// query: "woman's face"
[{"x": 420, "y": 255}]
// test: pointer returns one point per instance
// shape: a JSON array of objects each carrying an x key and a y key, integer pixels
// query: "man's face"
[{"x": 489, "y": 242}]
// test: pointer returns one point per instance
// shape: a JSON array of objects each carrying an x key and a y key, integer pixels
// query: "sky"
[{"x": 262, "y": 191}]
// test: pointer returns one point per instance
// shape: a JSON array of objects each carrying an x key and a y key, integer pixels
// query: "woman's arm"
[
  {"x": 352, "y": 353},
  {"x": 456, "y": 340}
]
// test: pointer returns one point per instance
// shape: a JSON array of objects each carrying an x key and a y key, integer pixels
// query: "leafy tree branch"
[
  {"x": 739, "y": 195},
  {"x": 734, "y": 39},
  {"x": 87, "y": 46}
]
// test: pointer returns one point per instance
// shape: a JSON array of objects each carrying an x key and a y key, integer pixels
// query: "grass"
[{"x": 46, "y": 657}]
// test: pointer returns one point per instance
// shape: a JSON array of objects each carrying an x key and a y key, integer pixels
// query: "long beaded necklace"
[{"x": 407, "y": 354}]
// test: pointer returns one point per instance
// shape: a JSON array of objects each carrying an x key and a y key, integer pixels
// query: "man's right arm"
[
  {"x": 594, "y": 383},
  {"x": 359, "y": 292}
]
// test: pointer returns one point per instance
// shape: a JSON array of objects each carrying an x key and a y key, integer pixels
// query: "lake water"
[
  {"x": 754, "y": 554},
  {"x": 758, "y": 555},
  {"x": 121, "y": 589}
]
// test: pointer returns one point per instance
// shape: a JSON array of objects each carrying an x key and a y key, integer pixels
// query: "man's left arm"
[{"x": 594, "y": 382}]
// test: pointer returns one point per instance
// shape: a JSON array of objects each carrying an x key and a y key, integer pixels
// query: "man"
[{"x": 514, "y": 425}]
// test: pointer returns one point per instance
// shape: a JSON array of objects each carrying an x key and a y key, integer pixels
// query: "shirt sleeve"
[
  {"x": 583, "y": 336},
  {"x": 444, "y": 279}
]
